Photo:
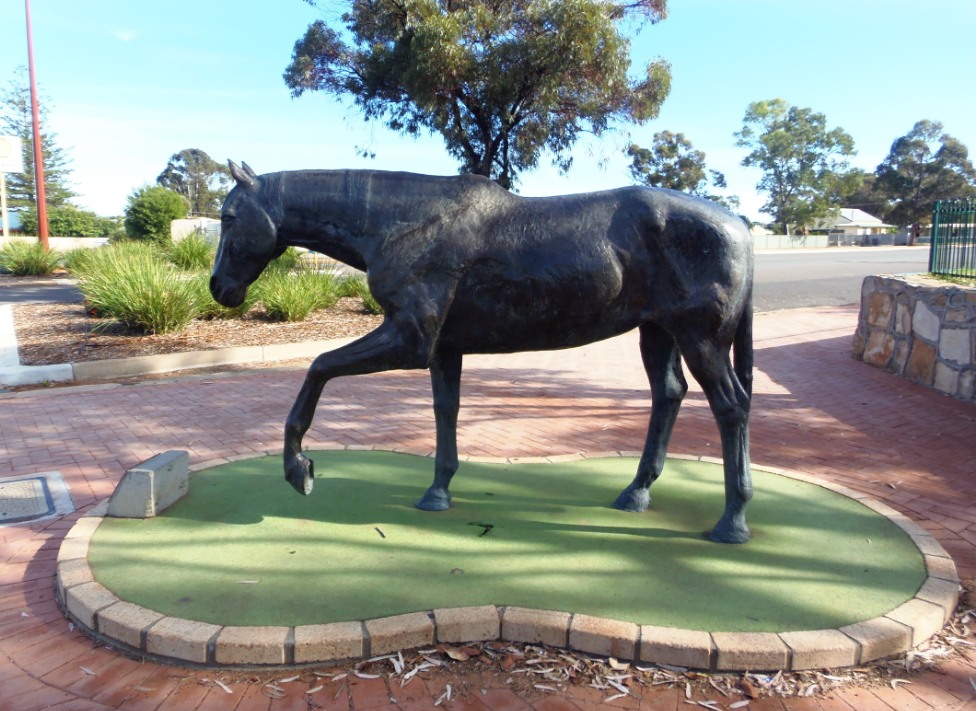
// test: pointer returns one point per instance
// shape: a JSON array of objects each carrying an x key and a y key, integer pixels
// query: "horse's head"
[{"x": 248, "y": 238}]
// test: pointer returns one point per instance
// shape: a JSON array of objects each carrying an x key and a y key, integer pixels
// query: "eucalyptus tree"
[
  {"x": 501, "y": 81},
  {"x": 805, "y": 165}
]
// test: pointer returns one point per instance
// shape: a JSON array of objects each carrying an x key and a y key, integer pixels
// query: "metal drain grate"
[{"x": 34, "y": 497}]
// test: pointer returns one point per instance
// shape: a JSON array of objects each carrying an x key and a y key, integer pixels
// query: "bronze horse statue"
[{"x": 460, "y": 265}]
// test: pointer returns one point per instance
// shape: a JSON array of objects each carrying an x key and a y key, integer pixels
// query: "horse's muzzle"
[{"x": 230, "y": 297}]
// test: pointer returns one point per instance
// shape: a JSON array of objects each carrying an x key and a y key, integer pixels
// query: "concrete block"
[
  {"x": 956, "y": 344},
  {"x": 73, "y": 549},
  {"x": 467, "y": 624},
  {"x": 750, "y": 651},
  {"x": 924, "y": 618},
  {"x": 821, "y": 649},
  {"x": 71, "y": 573},
  {"x": 392, "y": 634},
  {"x": 251, "y": 645},
  {"x": 677, "y": 647},
  {"x": 929, "y": 546},
  {"x": 150, "y": 488},
  {"x": 85, "y": 527},
  {"x": 521, "y": 624},
  {"x": 163, "y": 363},
  {"x": 125, "y": 622},
  {"x": 941, "y": 566},
  {"x": 84, "y": 601},
  {"x": 879, "y": 637},
  {"x": 181, "y": 639},
  {"x": 944, "y": 593},
  {"x": 327, "y": 643},
  {"x": 609, "y": 638}
]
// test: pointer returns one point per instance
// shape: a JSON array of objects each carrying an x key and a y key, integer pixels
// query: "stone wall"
[{"x": 922, "y": 329}]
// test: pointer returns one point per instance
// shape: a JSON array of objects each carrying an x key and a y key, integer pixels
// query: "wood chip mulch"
[{"x": 49, "y": 334}]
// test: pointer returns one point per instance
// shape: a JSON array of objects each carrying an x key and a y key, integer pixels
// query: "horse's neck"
[
  {"x": 347, "y": 214},
  {"x": 325, "y": 211}
]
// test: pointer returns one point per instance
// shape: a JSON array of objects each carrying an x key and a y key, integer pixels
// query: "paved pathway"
[{"x": 815, "y": 410}]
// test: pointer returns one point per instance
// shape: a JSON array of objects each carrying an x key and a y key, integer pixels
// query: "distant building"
[{"x": 848, "y": 225}]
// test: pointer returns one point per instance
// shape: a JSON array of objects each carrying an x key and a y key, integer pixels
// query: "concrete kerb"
[
  {"x": 146, "y": 633},
  {"x": 86, "y": 371}
]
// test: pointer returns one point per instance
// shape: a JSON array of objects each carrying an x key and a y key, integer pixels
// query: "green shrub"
[
  {"x": 356, "y": 287},
  {"x": 292, "y": 296},
  {"x": 70, "y": 221},
  {"x": 192, "y": 253},
  {"x": 131, "y": 283},
  {"x": 150, "y": 211},
  {"x": 28, "y": 259}
]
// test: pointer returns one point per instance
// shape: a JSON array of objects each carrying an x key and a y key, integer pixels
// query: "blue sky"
[{"x": 131, "y": 83}]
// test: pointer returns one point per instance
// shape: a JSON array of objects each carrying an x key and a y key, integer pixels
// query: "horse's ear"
[{"x": 243, "y": 175}]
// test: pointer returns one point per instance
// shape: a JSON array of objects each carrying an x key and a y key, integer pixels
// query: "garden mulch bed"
[{"x": 52, "y": 333}]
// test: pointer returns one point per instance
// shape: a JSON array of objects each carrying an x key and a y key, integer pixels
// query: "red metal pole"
[{"x": 42, "y": 203}]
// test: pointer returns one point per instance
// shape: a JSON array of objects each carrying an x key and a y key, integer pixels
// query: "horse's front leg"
[
  {"x": 446, "y": 369},
  {"x": 385, "y": 348}
]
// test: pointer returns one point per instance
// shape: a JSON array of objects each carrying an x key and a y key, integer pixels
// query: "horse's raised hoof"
[
  {"x": 433, "y": 501},
  {"x": 726, "y": 532},
  {"x": 299, "y": 473},
  {"x": 635, "y": 500}
]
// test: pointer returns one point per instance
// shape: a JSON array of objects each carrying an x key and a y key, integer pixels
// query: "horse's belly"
[{"x": 506, "y": 325}]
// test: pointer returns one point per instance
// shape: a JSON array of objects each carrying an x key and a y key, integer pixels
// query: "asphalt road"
[
  {"x": 784, "y": 279},
  {"x": 789, "y": 279}
]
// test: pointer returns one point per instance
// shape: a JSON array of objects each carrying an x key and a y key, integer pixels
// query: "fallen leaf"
[
  {"x": 617, "y": 665},
  {"x": 739, "y": 704},
  {"x": 224, "y": 686},
  {"x": 895, "y": 682},
  {"x": 314, "y": 689},
  {"x": 88, "y": 671},
  {"x": 750, "y": 691},
  {"x": 460, "y": 655}
]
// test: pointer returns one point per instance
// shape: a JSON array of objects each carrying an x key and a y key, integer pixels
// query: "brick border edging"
[{"x": 143, "y": 632}]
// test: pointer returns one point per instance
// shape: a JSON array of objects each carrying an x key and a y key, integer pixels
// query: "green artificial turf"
[{"x": 243, "y": 548}]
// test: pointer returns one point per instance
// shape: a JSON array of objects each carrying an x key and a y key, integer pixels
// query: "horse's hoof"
[
  {"x": 299, "y": 473},
  {"x": 729, "y": 533},
  {"x": 635, "y": 500},
  {"x": 433, "y": 502}
]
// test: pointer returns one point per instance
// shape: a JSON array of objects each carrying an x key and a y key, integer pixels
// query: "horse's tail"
[{"x": 744, "y": 349}]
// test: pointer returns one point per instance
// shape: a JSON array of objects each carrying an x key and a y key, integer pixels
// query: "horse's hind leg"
[
  {"x": 446, "y": 370},
  {"x": 661, "y": 358},
  {"x": 730, "y": 403}
]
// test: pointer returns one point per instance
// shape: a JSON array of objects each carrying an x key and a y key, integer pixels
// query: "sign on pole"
[
  {"x": 11, "y": 155},
  {"x": 11, "y": 161}
]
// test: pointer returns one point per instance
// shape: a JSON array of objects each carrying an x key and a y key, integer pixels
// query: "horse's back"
[{"x": 564, "y": 271}]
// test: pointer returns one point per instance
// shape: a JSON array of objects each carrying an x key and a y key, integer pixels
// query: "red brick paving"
[{"x": 815, "y": 410}]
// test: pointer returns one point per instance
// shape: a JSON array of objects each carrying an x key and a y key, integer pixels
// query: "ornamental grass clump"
[
  {"x": 209, "y": 309},
  {"x": 28, "y": 259},
  {"x": 292, "y": 296},
  {"x": 356, "y": 287},
  {"x": 192, "y": 253},
  {"x": 132, "y": 284}
]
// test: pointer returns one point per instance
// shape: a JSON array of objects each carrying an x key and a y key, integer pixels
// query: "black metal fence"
[{"x": 953, "y": 238}]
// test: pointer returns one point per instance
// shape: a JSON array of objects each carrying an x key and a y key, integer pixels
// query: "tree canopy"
[
  {"x": 804, "y": 165},
  {"x": 202, "y": 181},
  {"x": 672, "y": 162},
  {"x": 923, "y": 166},
  {"x": 16, "y": 120},
  {"x": 502, "y": 81}
]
